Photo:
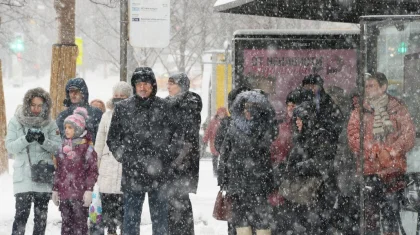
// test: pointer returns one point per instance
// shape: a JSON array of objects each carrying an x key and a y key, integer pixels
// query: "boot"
[
  {"x": 264, "y": 232},
  {"x": 244, "y": 231}
]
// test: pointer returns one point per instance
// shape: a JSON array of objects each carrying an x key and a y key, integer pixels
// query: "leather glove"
[
  {"x": 41, "y": 138},
  {"x": 55, "y": 198},
  {"x": 31, "y": 136},
  {"x": 87, "y": 198}
]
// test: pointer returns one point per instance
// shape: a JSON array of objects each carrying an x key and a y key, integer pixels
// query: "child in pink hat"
[{"x": 76, "y": 174}]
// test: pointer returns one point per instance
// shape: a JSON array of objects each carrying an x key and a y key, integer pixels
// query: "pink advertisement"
[{"x": 280, "y": 71}]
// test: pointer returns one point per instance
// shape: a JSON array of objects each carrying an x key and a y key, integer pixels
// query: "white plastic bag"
[{"x": 95, "y": 209}]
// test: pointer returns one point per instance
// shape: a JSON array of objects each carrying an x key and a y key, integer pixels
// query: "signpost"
[
  {"x": 149, "y": 23},
  {"x": 79, "y": 43}
]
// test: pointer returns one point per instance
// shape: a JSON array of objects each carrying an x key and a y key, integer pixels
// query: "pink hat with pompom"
[{"x": 78, "y": 121}]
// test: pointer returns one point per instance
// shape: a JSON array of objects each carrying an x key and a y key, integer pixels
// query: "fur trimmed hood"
[{"x": 24, "y": 114}]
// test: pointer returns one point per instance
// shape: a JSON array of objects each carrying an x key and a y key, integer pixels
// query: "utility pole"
[
  {"x": 64, "y": 53},
  {"x": 123, "y": 39}
]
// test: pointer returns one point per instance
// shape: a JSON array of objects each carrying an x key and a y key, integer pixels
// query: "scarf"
[
  {"x": 25, "y": 118},
  {"x": 382, "y": 126}
]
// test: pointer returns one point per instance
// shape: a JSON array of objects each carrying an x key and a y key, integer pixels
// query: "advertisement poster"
[{"x": 280, "y": 71}]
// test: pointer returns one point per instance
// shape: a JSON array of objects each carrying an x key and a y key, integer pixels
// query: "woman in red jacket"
[{"x": 210, "y": 135}]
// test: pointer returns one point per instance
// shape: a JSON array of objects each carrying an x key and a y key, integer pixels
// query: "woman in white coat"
[{"x": 110, "y": 170}]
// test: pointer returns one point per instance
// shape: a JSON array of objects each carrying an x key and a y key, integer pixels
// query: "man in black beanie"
[
  {"x": 328, "y": 114},
  {"x": 139, "y": 137},
  {"x": 185, "y": 108}
]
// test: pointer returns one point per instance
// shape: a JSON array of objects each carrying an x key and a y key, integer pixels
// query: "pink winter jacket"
[{"x": 77, "y": 168}]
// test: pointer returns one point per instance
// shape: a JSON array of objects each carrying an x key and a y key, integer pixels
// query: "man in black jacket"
[
  {"x": 139, "y": 137},
  {"x": 328, "y": 114},
  {"x": 77, "y": 95},
  {"x": 186, "y": 107}
]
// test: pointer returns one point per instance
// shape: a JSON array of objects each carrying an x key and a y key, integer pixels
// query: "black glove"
[
  {"x": 31, "y": 136},
  {"x": 41, "y": 138}
]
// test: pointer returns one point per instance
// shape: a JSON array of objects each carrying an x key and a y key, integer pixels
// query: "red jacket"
[
  {"x": 397, "y": 143},
  {"x": 210, "y": 133},
  {"x": 282, "y": 145},
  {"x": 77, "y": 169}
]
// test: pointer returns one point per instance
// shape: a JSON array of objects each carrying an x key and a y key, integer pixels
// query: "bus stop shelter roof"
[{"x": 348, "y": 11}]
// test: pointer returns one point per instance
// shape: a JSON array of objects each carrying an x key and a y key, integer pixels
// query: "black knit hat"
[
  {"x": 313, "y": 79},
  {"x": 144, "y": 74},
  {"x": 298, "y": 96},
  {"x": 182, "y": 80}
]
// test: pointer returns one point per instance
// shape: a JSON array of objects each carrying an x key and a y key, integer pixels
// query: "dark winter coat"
[
  {"x": 139, "y": 138},
  {"x": 329, "y": 116},
  {"x": 221, "y": 133},
  {"x": 312, "y": 154},
  {"x": 95, "y": 114},
  {"x": 185, "y": 145},
  {"x": 245, "y": 165},
  {"x": 77, "y": 168}
]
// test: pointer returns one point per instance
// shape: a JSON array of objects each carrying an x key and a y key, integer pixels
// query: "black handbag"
[{"x": 42, "y": 172}]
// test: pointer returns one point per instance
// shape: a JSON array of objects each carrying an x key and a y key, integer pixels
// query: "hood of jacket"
[
  {"x": 262, "y": 112},
  {"x": 144, "y": 74},
  {"x": 81, "y": 85},
  {"x": 23, "y": 112}
]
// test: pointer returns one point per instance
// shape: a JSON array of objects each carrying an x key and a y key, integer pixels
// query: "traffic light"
[
  {"x": 18, "y": 44},
  {"x": 402, "y": 48}
]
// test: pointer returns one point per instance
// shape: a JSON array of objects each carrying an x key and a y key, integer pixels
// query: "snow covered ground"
[
  {"x": 100, "y": 88},
  {"x": 202, "y": 202}
]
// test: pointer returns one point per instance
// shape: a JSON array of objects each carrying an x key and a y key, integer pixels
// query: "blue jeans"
[{"x": 133, "y": 206}]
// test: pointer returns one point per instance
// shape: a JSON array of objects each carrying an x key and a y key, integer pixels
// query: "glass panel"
[{"x": 393, "y": 48}]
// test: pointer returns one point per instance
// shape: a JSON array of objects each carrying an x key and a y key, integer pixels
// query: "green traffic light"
[
  {"x": 402, "y": 48},
  {"x": 17, "y": 45}
]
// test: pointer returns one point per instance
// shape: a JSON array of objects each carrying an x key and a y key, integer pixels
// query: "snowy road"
[{"x": 202, "y": 202}]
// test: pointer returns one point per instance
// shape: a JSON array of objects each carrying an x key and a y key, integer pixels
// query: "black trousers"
[
  {"x": 251, "y": 210},
  {"x": 23, "y": 208},
  {"x": 215, "y": 161},
  {"x": 181, "y": 219},
  {"x": 112, "y": 211}
]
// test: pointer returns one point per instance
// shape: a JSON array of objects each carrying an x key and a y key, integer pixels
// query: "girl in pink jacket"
[{"x": 76, "y": 174}]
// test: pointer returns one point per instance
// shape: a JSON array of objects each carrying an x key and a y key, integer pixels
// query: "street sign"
[
  {"x": 149, "y": 23},
  {"x": 79, "y": 43}
]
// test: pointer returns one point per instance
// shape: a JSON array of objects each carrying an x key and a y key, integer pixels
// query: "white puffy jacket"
[{"x": 110, "y": 171}]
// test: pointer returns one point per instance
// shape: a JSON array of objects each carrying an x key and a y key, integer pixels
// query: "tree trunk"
[
  {"x": 63, "y": 67},
  {"x": 64, "y": 54},
  {"x": 4, "y": 164},
  {"x": 66, "y": 11}
]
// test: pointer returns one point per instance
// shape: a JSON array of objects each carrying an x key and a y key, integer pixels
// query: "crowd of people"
[
  {"x": 142, "y": 144},
  {"x": 290, "y": 176},
  {"x": 303, "y": 179}
]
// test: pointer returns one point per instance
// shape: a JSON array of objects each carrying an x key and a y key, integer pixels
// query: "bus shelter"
[
  {"x": 347, "y": 11},
  {"x": 389, "y": 43}
]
